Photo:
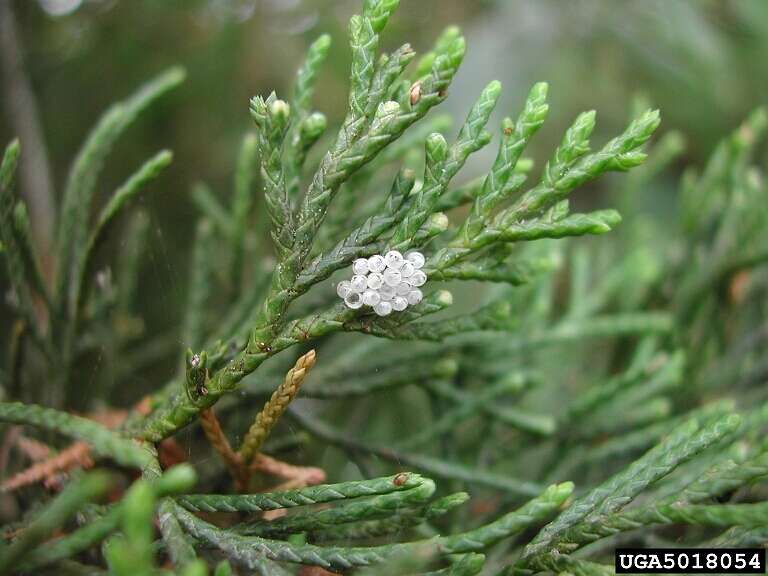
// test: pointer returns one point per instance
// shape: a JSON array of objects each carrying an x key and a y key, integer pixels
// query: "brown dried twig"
[
  {"x": 76, "y": 455},
  {"x": 215, "y": 435},
  {"x": 47, "y": 464},
  {"x": 305, "y": 475},
  {"x": 248, "y": 459}
]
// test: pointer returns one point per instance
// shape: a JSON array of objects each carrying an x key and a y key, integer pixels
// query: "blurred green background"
[{"x": 701, "y": 62}]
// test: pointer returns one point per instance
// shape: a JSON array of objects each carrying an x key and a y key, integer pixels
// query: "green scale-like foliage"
[{"x": 565, "y": 453}]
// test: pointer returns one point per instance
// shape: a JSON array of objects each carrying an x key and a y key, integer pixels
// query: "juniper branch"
[
  {"x": 150, "y": 170},
  {"x": 245, "y": 548},
  {"x": 405, "y": 518},
  {"x": 86, "y": 489},
  {"x": 443, "y": 164},
  {"x": 272, "y": 117},
  {"x": 716, "y": 515},
  {"x": 302, "y": 497},
  {"x": 22, "y": 229},
  {"x": 12, "y": 250},
  {"x": 684, "y": 443},
  {"x": 388, "y": 123},
  {"x": 103, "y": 441},
  {"x": 621, "y": 153},
  {"x": 515, "y": 137},
  {"x": 369, "y": 508},
  {"x": 82, "y": 179},
  {"x": 177, "y": 479},
  {"x": 307, "y": 127}
]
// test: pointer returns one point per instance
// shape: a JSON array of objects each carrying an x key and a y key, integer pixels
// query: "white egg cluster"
[{"x": 385, "y": 283}]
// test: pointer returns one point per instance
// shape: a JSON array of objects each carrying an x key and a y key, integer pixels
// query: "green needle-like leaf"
[
  {"x": 81, "y": 184},
  {"x": 78, "y": 493},
  {"x": 104, "y": 442}
]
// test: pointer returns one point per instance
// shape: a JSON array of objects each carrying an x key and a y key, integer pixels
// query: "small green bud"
[
  {"x": 524, "y": 165},
  {"x": 180, "y": 478},
  {"x": 627, "y": 161},
  {"x": 584, "y": 125},
  {"x": 21, "y": 216},
  {"x": 640, "y": 130},
  {"x": 322, "y": 43},
  {"x": 437, "y": 223},
  {"x": 445, "y": 368},
  {"x": 604, "y": 221},
  {"x": 437, "y": 148},
  {"x": 457, "y": 50},
  {"x": 444, "y": 298},
  {"x": 446, "y": 38},
  {"x": 446, "y": 504},
  {"x": 427, "y": 488},
  {"x": 538, "y": 92},
  {"x": 482, "y": 139},
  {"x": 379, "y": 11},
  {"x": 574, "y": 145},
  {"x": 10, "y": 160},
  {"x": 492, "y": 90},
  {"x": 313, "y": 127},
  {"x": 280, "y": 110},
  {"x": 561, "y": 491}
]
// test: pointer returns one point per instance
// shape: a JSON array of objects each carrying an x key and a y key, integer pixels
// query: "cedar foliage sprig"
[{"x": 640, "y": 435}]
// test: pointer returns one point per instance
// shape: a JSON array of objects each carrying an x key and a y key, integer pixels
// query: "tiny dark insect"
[
  {"x": 197, "y": 389},
  {"x": 400, "y": 479},
  {"x": 415, "y": 93},
  {"x": 264, "y": 347}
]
